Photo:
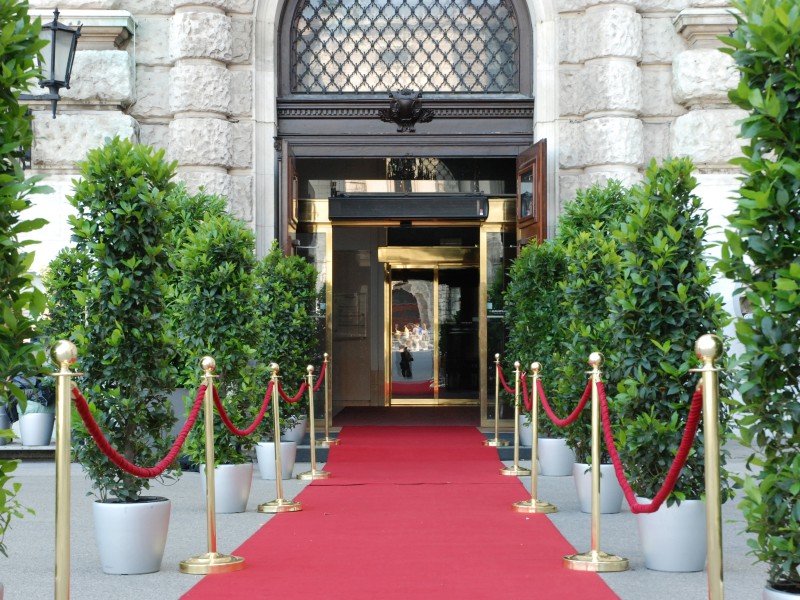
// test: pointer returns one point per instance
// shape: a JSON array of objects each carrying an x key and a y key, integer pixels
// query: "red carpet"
[{"x": 426, "y": 516}]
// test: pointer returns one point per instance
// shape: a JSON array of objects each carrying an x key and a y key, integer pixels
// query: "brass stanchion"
[
  {"x": 65, "y": 354},
  {"x": 515, "y": 469},
  {"x": 327, "y": 440},
  {"x": 709, "y": 348},
  {"x": 533, "y": 505},
  {"x": 279, "y": 505},
  {"x": 211, "y": 561},
  {"x": 313, "y": 473},
  {"x": 595, "y": 560},
  {"x": 496, "y": 441}
]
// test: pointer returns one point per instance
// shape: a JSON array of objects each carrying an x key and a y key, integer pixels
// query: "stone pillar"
[{"x": 600, "y": 87}]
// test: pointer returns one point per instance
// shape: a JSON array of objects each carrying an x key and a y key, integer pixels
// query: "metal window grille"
[{"x": 373, "y": 46}]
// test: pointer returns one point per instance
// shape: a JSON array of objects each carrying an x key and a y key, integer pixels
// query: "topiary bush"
[
  {"x": 660, "y": 303},
  {"x": 763, "y": 255}
]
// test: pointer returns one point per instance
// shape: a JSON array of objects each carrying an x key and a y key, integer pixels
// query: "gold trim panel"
[{"x": 399, "y": 256}]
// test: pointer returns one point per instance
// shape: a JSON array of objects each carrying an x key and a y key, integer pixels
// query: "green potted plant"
[
  {"x": 593, "y": 260},
  {"x": 762, "y": 255},
  {"x": 660, "y": 304},
  {"x": 534, "y": 320},
  {"x": 125, "y": 352}
]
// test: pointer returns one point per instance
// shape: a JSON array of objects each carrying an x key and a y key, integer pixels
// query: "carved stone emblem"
[{"x": 405, "y": 110}]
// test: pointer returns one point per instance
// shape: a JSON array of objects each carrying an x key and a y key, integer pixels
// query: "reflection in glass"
[
  {"x": 412, "y": 337},
  {"x": 526, "y": 195}
]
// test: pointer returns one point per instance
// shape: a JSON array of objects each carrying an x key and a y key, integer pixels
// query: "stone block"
[
  {"x": 605, "y": 85},
  {"x": 241, "y": 92},
  {"x": 660, "y": 41},
  {"x": 242, "y": 151},
  {"x": 101, "y": 76},
  {"x": 709, "y": 137},
  {"x": 55, "y": 209},
  {"x": 242, "y": 48},
  {"x": 581, "y": 5},
  {"x": 657, "y": 99},
  {"x": 601, "y": 31},
  {"x": 201, "y": 35},
  {"x": 219, "y": 4},
  {"x": 600, "y": 141},
  {"x": 155, "y": 135},
  {"x": 146, "y": 7},
  {"x": 702, "y": 77},
  {"x": 200, "y": 142},
  {"x": 152, "y": 89},
  {"x": 61, "y": 142},
  {"x": 212, "y": 182},
  {"x": 242, "y": 7},
  {"x": 152, "y": 41},
  {"x": 656, "y": 140},
  {"x": 240, "y": 201},
  {"x": 200, "y": 87},
  {"x": 70, "y": 4}
]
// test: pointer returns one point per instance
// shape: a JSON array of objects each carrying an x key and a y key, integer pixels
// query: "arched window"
[{"x": 432, "y": 46}]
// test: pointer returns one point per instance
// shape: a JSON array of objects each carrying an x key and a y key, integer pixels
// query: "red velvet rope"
[
  {"x": 528, "y": 401},
  {"x": 303, "y": 388},
  {"x": 119, "y": 460},
  {"x": 320, "y": 378},
  {"x": 587, "y": 393},
  {"x": 229, "y": 424},
  {"x": 503, "y": 380},
  {"x": 680, "y": 458}
]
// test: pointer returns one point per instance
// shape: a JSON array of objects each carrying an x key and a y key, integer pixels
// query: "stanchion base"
[
  {"x": 313, "y": 474},
  {"x": 534, "y": 506},
  {"x": 325, "y": 442},
  {"x": 495, "y": 442},
  {"x": 210, "y": 563},
  {"x": 596, "y": 561},
  {"x": 280, "y": 506},
  {"x": 515, "y": 470}
]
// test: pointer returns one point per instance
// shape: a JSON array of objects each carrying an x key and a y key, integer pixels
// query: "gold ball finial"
[
  {"x": 325, "y": 355},
  {"x": 595, "y": 360},
  {"x": 536, "y": 367},
  {"x": 208, "y": 363},
  {"x": 497, "y": 357},
  {"x": 310, "y": 369},
  {"x": 516, "y": 364},
  {"x": 274, "y": 367},
  {"x": 65, "y": 353},
  {"x": 708, "y": 347}
]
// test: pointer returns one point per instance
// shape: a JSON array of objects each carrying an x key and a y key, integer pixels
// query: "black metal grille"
[{"x": 440, "y": 46}]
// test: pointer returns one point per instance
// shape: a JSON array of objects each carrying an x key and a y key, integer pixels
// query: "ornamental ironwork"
[
  {"x": 374, "y": 46},
  {"x": 405, "y": 110}
]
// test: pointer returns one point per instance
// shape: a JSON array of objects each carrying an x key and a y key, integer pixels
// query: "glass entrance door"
[{"x": 433, "y": 329}]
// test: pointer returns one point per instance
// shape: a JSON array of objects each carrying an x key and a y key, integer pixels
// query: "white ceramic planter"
[
  {"x": 36, "y": 429},
  {"x": 5, "y": 423},
  {"x": 525, "y": 432},
  {"x": 674, "y": 538},
  {"x": 131, "y": 536},
  {"x": 611, "y": 495},
  {"x": 297, "y": 433},
  {"x": 265, "y": 454},
  {"x": 231, "y": 487},
  {"x": 555, "y": 457},
  {"x": 769, "y": 594}
]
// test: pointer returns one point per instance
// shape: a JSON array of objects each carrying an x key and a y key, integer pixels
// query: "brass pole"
[
  {"x": 709, "y": 348},
  {"x": 313, "y": 473},
  {"x": 328, "y": 441},
  {"x": 595, "y": 560},
  {"x": 278, "y": 505},
  {"x": 496, "y": 441},
  {"x": 65, "y": 354},
  {"x": 211, "y": 561},
  {"x": 534, "y": 505},
  {"x": 515, "y": 469}
]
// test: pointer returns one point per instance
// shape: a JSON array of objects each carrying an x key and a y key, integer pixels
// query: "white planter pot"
[
  {"x": 231, "y": 487},
  {"x": 611, "y": 495},
  {"x": 555, "y": 457},
  {"x": 265, "y": 454},
  {"x": 525, "y": 432},
  {"x": 36, "y": 429},
  {"x": 769, "y": 594},
  {"x": 297, "y": 433},
  {"x": 131, "y": 535},
  {"x": 674, "y": 538},
  {"x": 5, "y": 423}
]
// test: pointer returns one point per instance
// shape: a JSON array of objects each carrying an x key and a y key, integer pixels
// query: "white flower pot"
[
  {"x": 769, "y": 594},
  {"x": 611, "y": 495},
  {"x": 525, "y": 432},
  {"x": 674, "y": 538},
  {"x": 5, "y": 423},
  {"x": 131, "y": 535},
  {"x": 555, "y": 457},
  {"x": 231, "y": 487},
  {"x": 297, "y": 433},
  {"x": 265, "y": 454},
  {"x": 36, "y": 429}
]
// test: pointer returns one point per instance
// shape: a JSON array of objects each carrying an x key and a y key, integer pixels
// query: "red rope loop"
[
  {"x": 303, "y": 388},
  {"x": 528, "y": 401},
  {"x": 320, "y": 377},
  {"x": 503, "y": 380},
  {"x": 229, "y": 424},
  {"x": 587, "y": 393},
  {"x": 680, "y": 458},
  {"x": 120, "y": 461}
]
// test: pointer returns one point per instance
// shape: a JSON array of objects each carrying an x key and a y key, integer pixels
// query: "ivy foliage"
[
  {"x": 762, "y": 253},
  {"x": 118, "y": 226}
]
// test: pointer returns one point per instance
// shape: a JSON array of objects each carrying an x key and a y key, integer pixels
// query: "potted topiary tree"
[
  {"x": 592, "y": 265},
  {"x": 660, "y": 304},
  {"x": 762, "y": 255},
  {"x": 119, "y": 204}
]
